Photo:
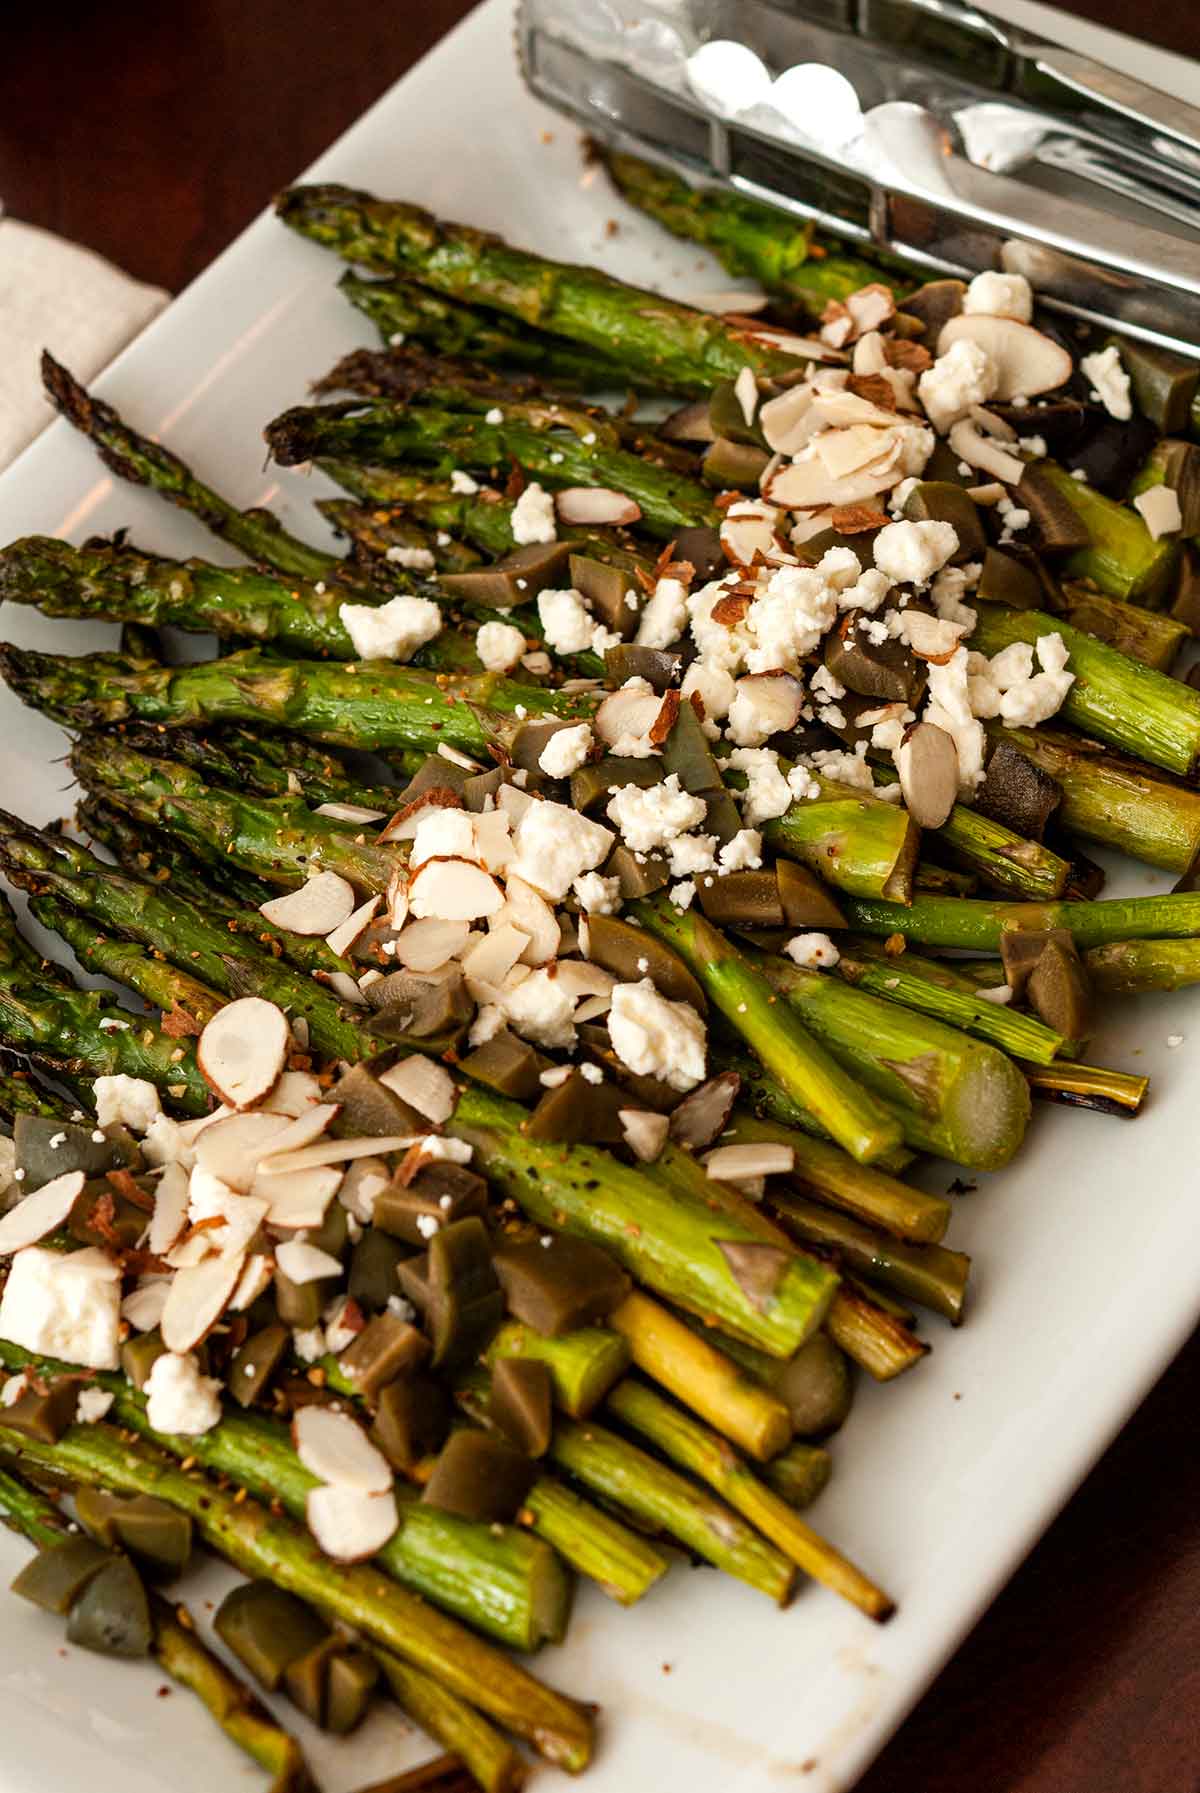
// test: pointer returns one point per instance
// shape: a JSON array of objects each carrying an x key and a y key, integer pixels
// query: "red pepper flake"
[{"x": 894, "y": 945}]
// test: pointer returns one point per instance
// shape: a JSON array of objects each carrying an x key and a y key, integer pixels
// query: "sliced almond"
[
  {"x": 746, "y": 538},
  {"x": 527, "y": 910},
  {"x": 490, "y": 956},
  {"x": 170, "y": 1211},
  {"x": 592, "y": 1007},
  {"x": 303, "y": 1131},
  {"x": 243, "y": 1049},
  {"x": 295, "y": 1093},
  {"x": 933, "y": 638},
  {"x": 578, "y": 978},
  {"x": 397, "y": 899},
  {"x": 979, "y": 451},
  {"x": 596, "y": 504},
  {"x": 745, "y": 390},
  {"x": 927, "y": 761},
  {"x": 645, "y": 1133},
  {"x": 722, "y": 304},
  {"x": 231, "y": 1150},
  {"x": 41, "y": 1212},
  {"x": 786, "y": 421},
  {"x": 428, "y": 944},
  {"x": 342, "y": 939},
  {"x": 348, "y": 1525},
  {"x": 254, "y": 1281},
  {"x": 1160, "y": 511},
  {"x": 143, "y": 1307},
  {"x": 198, "y": 1297},
  {"x": 805, "y": 348},
  {"x": 403, "y": 825},
  {"x": 778, "y": 699},
  {"x": 806, "y": 485},
  {"x": 493, "y": 839},
  {"x": 350, "y": 812},
  {"x": 344, "y": 987},
  {"x": 871, "y": 306},
  {"x": 298, "y": 1198},
  {"x": 319, "y": 906},
  {"x": 625, "y": 715},
  {"x": 454, "y": 890},
  {"x": 735, "y": 1164},
  {"x": 849, "y": 448},
  {"x": 1026, "y": 362},
  {"x": 301, "y": 1262},
  {"x": 704, "y": 1115},
  {"x": 333, "y": 1446},
  {"x": 331, "y": 1151},
  {"x": 992, "y": 425},
  {"x": 424, "y": 1085}
]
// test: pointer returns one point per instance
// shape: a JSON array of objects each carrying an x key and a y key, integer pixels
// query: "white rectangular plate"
[{"x": 1086, "y": 1251}]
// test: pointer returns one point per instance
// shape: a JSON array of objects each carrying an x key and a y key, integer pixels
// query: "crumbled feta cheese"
[
  {"x": 682, "y": 895},
  {"x": 665, "y": 616},
  {"x": 1028, "y": 697},
  {"x": 64, "y": 1304},
  {"x": 798, "y": 604},
  {"x": 488, "y": 1022},
  {"x": 949, "y": 588},
  {"x": 391, "y": 631},
  {"x": 495, "y": 415},
  {"x": 753, "y": 718},
  {"x": 949, "y": 708},
  {"x": 443, "y": 834},
  {"x": 568, "y": 625},
  {"x": 743, "y": 853},
  {"x": 654, "y": 1037},
  {"x": 93, "y": 1404},
  {"x": 867, "y": 593},
  {"x": 553, "y": 845},
  {"x": 1000, "y": 296},
  {"x": 555, "y": 1077},
  {"x": 428, "y": 1225},
  {"x": 126, "y": 1102},
  {"x": 767, "y": 792},
  {"x": 541, "y": 1009},
  {"x": 417, "y": 560},
  {"x": 1110, "y": 382},
  {"x": 812, "y": 950},
  {"x": 689, "y": 853},
  {"x": 566, "y": 750},
  {"x": 14, "y": 1388},
  {"x": 463, "y": 484},
  {"x": 499, "y": 645},
  {"x": 1034, "y": 445},
  {"x": 598, "y": 895},
  {"x": 533, "y": 517},
  {"x": 178, "y": 1398},
  {"x": 447, "y": 1150},
  {"x": 845, "y": 768},
  {"x": 964, "y": 376},
  {"x": 647, "y": 819},
  {"x": 309, "y": 1343},
  {"x": 911, "y": 553},
  {"x": 591, "y": 1073}
]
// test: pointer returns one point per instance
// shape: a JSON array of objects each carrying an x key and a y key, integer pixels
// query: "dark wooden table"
[{"x": 155, "y": 132}]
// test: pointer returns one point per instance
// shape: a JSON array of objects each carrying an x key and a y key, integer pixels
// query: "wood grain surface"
[{"x": 154, "y": 133}]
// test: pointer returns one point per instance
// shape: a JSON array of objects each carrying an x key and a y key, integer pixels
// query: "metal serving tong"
[{"x": 974, "y": 144}]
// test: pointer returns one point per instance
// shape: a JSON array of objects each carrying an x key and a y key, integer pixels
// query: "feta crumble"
[
  {"x": 553, "y": 845},
  {"x": 463, "y": 484},
  {"x": 417, "y": 560},
  {"x": 964, "y": 376},
  {"x": 126, "y": 1102},
  {"x": 654, "y": 1037},
  {"x": 665, "y": 616},
  {"x": 598, "y": 895},
  {"x": 566, "y": 750},
  {"x": 64, "y": 1304},
  {"x": 499, "y": 645},
  {"x": 178, "y": 1398},
  {"x": 650, "y": 818},
  {"x": 1110, "y": 382},
  {"x": 533, "y": 517},
  {"x": 391, "y": 631},
  {"x": 911, "y": 553},
  {"x": 812, "y": 950}
]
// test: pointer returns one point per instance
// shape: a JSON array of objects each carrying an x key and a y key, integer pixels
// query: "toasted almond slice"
[
  {"x": 493, "y": 839},
  {"x": 578, "y": 978},
  {"x": 424, "y": 1085},
  {"x": 396, "y": 899},
  {"x": 733, "y": 1164},
  {"x": 745, "y": 390},
  {"x": 841, "y": 408},
  {"x": 978, "y": 451},
  {"x": 342, "y": 939},
  {"x": 403, "y": 825},
  {"x": 592, "y": 1007},
  {"x": 232, "y": 1149},
  {"x": 514, "y": 802},
  {"x": 746, "y": 538},
  {"x": 454, "y": 890},
  {"x": 538, "y": 663},
  {"x": 927, "y": 761},
  {"x": 361, "y": 1185},
  {"x": 294, "y": 1094},
  {"x": 871, "y": 306},
  {"x": 299, "y": 1199},
  {"x": 703, "y": 1116},
  {"x": 188, "y": 1132},
  {"x": 303, "y": 1131},
  {"x": 988, "y": 494},
  {"x": 805, "y": 484},
  {"x": 806, "y": 348},
  {"x": 456, "y": 757},
  {"x": 786, "y": 421},
  {"x": 778, "y": 699},
  {"x": 331, "y": 1151},
  {"x": 347, "y": 1524},
  {"x": 243, "y": 1049},
  {"x": 39, "y": 1213},
  {"x": 490, "y": 956},
  {"x": 198, "y": 1297},
  {"x": 851, "y": 447},
  {"x": 732, "y": 302},
  {"x": 527, "y": 910},
  {"x": 429, "y": 943},
  {"x": 254, "y": 1281},
  {"x": 333, "y": 1446},
  {"x": 344, "y": 987},
  {"x": 350, "y": 812},
  {"x": 930, "y": 637},
  {"x": 301, "y": 1262},
  {"x": 318, "y": 906},
  {"x": 992, "y": 425},
  {"x": 595, "y": 504},
  {"x": 625, "y": 715},
  {"x": 645, "y": 1133},
  {"x": 143, "y": 1307},
  {"x": 170, "y": 1211},
  {"x": 1160, "y": 511},
  {"x": 1026, "y": 362}
]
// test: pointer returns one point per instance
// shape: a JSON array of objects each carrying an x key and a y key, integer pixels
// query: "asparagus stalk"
[
  {"x": 1114, "y": 699},
  {"x": 549, "y": 450},
  {"x": 583, "y": 1364},
  {"x": 740, "y": 991},
  {"x": 402, "y": 308},
  {"x": 664, "y": 346},
  {"x": 705, "y": 1455},
  {"x": 863, "y": 1191},
  {"x": 669, "y": 1241},
  {"x": 859, "y": 844},
  {"x": 876, "y": 1341},
  {"x": 1112, "y": 800},
  {"x": 655, "y": 1497},
  {"x": 1145, "y": 635},
  {"x": 261, "y": 1542},
  {"x": 490, "y": 1759},
  {"x": 1122, "y": 558},
  {"x": 958, "y": 1096},
  {"x": 931, "y": 1275},
  {"x": 145, "y": 463},
  {"x": 20, "y": 1095},
  {"x": 976, "y": 926},
  {"x": 704, "y": 1379},
  {"x": 375, "y": 531},
  {"x": 179, "y": 1652},
  {"x": 43, "y": 1015},
  {"x": 1132, "y": 967},
  {"x": 187, "y": 1002},
  {"x": 1002, "y": 857},
  {"x": 372, "y": 705},
  {"x": 770, "y": 1101},
  {"x": 265, "y": 765},
  {"x": 1089, "y": 1086},
  {"x": 160, "y": 859},
  {"x": 931, "y": 988},
  {"x": 748, "y": 238}
]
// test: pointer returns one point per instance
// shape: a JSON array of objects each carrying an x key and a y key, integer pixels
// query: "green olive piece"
[
  {"x": 631, "y": 954},
  {"x": 807, "y": 900},
  {"x": 386, "y": 1347},
  {"x": 255, "y": 1363},
  {"x": 157, "y": 1536},
  {"x": 529, "y": 741},
  {"x": 466, "y": 1303},
  {"x": 743, "y": 900},
  {"x": 46, "y": 1413},
  {"x": 688, "y": 753},
  {"x": 738, "y": 464},
  {"x": 112, "y": 1615},
  {"x": 560, "y": 1286},
  {"x": 644, "y": 1092},
  {"x": 300, "y": 1304},
  {"x": 306, "y": 1677},
  {"x": 1059, "y": 990},
  {"x": 816, "y": 1386},
  {"x": 349, "y": 1684},
  {"x": 1007, "y": 579},
  {"x": 636, "y": 875},
  {"x": 1018, "y": 793},
  {"x": 139, "y": 1355},
  {"x": 1164, "y": 385},
  {"x": 46, "y": 1147},
  {"x": 509, "y": 1065},
  {"x": 522, "y": 1403},
  {"x": 935, "y": 304},
  {"x": 861, "y": 543},
  {"x": 604, "y": 588},
  {"x": 56, "y": 1576},
  {"x": 372, "y": 1280},
  {"x": 799, "y": 1473},
  {"x": 434, "y": 774},
  {"x": 515, "y": 579},
  {"x": 101, "y": 1216},
  {"x": 369, "y": 1109},
  {"x": 727, "y": 419},
  {"x": 1055, "y": 526},
  {"x": 479, "y": 1477},
  {"x": 436, "y": 1196},
  {"x": 333, "y": 1234},
  {"x": 700, "y": 546},
  {"x": 1184, "y": 603},
  {"x": 411, "y": 1420},
  {"x": 482, "y": 787},
  {"x": 660, "y": 667},
  {"x": 266, "y": 1628},
  {"x": 887, "y": 670},
  {"x": 578, "y": 1109},
  {"x": 592, "y": 785}
]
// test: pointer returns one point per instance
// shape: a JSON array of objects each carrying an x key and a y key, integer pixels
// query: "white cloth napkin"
[{"x": 55, "y": 294}]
